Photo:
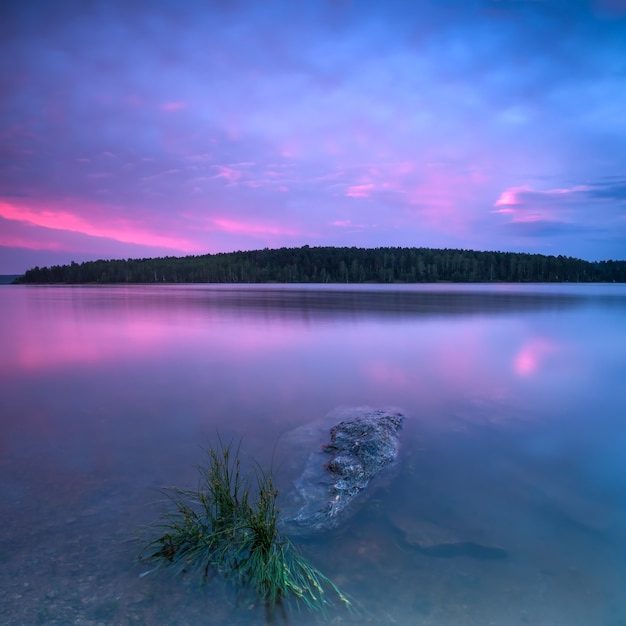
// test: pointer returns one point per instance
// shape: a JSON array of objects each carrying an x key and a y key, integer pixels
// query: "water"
[{"x": 510, "y": 502}]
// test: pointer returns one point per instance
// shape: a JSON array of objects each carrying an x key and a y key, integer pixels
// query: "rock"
[
  {"x": 356, "y": 451},
  {"x": 421, "y": 533},
  {"x": 439, "y": 540}
]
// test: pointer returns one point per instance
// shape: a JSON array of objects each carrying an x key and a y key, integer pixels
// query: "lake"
[{"x": 508, "y": 506}]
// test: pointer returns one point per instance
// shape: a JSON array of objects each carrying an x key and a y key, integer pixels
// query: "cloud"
[
  {"x": 537, "y": 212},
  {"x": 542, "y": 228},
  {"x": 24, "y": 245},
  {"x": 526, "y": 195},
  {"x": 64, "y": 219},
  {"x": 360, "y": 191},
  {"x": 415, "y": 117},
  {"x": 173, "y": 106},
  {"x": 28, "y": 241},
  {"x": 227, "y": 173},
  {"x": 251, "y": 229},
  {"x": 593, "y": 211},
  {"x": 609, "y": 190},
  {"x": 527, "y": 204},
  {"x": 349, "y": 224}
]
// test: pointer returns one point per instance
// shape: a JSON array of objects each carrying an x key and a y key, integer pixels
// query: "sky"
[{"x": 133, "y": 129}]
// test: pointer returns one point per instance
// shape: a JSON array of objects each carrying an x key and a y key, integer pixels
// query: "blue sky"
[{"x": 137, "y": 129}]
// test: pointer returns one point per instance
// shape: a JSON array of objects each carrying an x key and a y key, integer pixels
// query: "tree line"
[{"x": 335, "y": 265}]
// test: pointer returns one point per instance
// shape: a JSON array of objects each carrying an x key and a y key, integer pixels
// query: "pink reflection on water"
[
  {"x": 531, "y": 356},
  {"x": 53, "y": 328},
  {"x": 58, "y": 344},
  {"x": 388, "y": 374},
  {"x": 435, "y": 363}
]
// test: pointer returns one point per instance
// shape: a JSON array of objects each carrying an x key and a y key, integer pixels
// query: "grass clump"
[{"x": 229, "y": 525}]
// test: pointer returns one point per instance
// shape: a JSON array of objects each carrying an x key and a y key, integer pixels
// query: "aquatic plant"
[{"x": 229, "y": 525}]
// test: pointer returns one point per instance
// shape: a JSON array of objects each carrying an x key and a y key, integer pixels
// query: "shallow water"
[{"x": 509, "y": 505}]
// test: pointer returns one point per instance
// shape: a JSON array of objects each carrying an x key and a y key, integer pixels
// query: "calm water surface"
[{"x": 510, "y": 502}]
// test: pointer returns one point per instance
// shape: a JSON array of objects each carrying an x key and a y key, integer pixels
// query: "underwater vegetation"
[{"x": 229, "y": 525}]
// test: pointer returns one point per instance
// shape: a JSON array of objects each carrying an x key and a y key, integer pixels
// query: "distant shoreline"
[
  {"x": 328, "y": 264},
  {"x": 7, "y": 279}
]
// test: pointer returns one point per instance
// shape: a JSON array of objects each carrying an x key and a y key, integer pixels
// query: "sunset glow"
[
  {"x": 121, "y": 230},
  {"x": 214, "y": 127}
]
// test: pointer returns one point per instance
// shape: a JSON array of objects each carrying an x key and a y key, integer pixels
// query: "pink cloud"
[
  {"x": 526, "y": 205},
  {"x": 117, "y": 229},
  {"x": 227, "y": 173},
  {"x": 526, "y": 195},
  {"x": 247, "y": 173},
  {"x": 352, "y": 225},
  {"x": 511, "y": 196},
  {"x": 247, "y": 228},
  {"x": 406, "y": 167},
  {"x": 360, "y": 191},
  {"x": 173, "y": 106},
  {"x": 16, "y": 241},
  {"x": 442, "y": 197},
  {"x": 199, "y": 158},
  {"x": 432, "y": 193}
]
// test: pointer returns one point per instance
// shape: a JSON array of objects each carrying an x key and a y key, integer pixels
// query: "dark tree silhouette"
[{"x": 335, "y": 265}]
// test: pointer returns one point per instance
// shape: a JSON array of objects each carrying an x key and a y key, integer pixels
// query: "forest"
[{"x": 335, "y": 265}]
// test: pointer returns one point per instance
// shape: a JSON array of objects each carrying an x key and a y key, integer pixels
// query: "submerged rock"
[
  {"x": 356, "y": 451},
  {"x": 440, "y": 540}
]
